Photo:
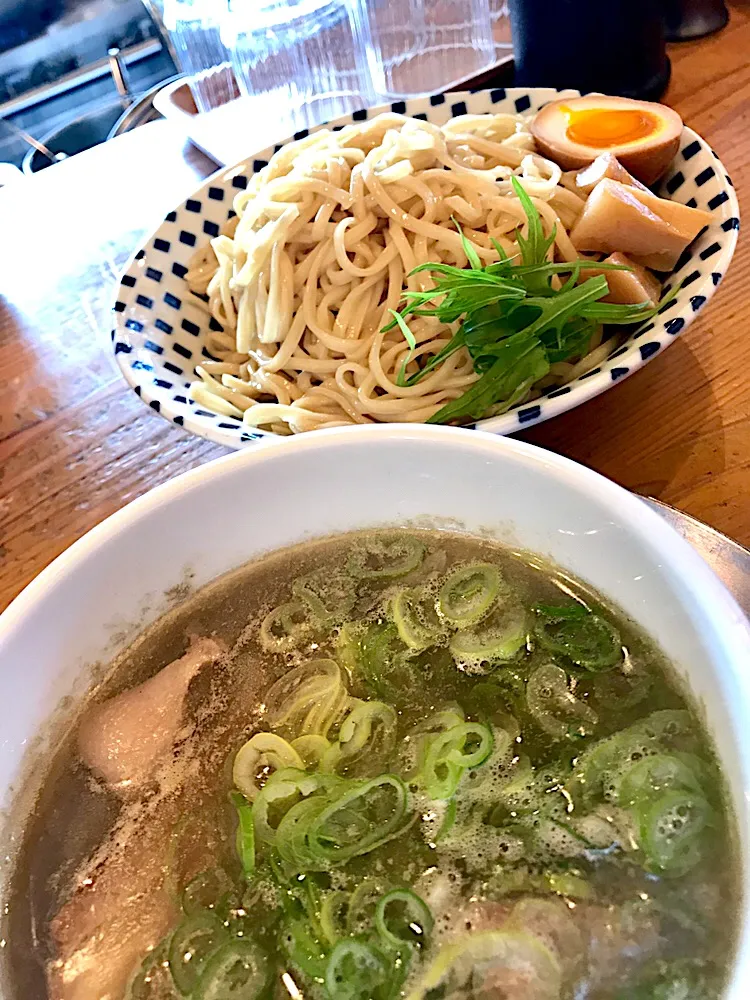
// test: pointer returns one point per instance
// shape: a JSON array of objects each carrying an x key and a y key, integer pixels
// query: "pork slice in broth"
[
  {"x": 121, "y": 903},
  {"x": 600, "y": 944},
  {"x": 119, "y": 911},
  {"x": 123, "y": 740}
]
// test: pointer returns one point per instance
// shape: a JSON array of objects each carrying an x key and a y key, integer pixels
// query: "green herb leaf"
[
  {"x": 534, "y": 247},
  {"x": 471, "y": 255},
  {"x": 520, "y": 362},
  {"x": 569, "y": 341},
  {"x": 515, "y": 324},
  {"x": 408, "y": 335},
  {"x": 556, "y": 310},
  {"x": 451, "y": 347}
]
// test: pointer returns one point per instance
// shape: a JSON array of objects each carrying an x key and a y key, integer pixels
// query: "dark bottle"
[
  {"x": 612, "y": 46},
  {"x": 685, "y": 19}
]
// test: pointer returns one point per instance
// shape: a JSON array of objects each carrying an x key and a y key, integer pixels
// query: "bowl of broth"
[{"x": 377, "y": 713}]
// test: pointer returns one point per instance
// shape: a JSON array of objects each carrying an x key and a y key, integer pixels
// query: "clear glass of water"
[
  {"x": 297, "y": 62},
  {"x": 500, "y": 17},
  {"x": 423, "y": 46},
  {"x": 195, "y": 29}
]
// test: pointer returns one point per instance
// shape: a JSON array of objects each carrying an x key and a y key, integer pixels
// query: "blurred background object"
[
  {"x": 77, "y": 72},
  {"x": 419, "y": 47},
  {"x": 9, "y": 174},
  {"x": 685, "y": 19},
  {"x": 500, "y": 17},
  {"x": 194, "y": 27},
  {"x": 55, "y": 67},
  {"x": 615, "y": 46},
  {"x": 297, "y": 62}
]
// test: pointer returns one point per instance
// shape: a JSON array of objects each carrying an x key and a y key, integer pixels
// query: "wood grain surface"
[{"x": 76, "y": 444}]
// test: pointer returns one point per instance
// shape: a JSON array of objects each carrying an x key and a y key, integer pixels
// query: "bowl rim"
[
  {"x": 229, "y": 431},
  {"x": 697, "y": 586},
  {"x": 659, "y": 534}
]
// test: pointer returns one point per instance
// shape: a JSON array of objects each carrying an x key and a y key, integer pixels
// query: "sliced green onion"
[
  {"x": 448, "y": 822},
  {"x": 192, "y": 944},
  {"x": 440, "y": 776},
  {"x": 554, "y": 706},
  {"x": 368, "y": 732},
  {"x": 470, "y": 735},
  {"x": 308, "y": 699},
  {"x": 362, "y": 904},
  {"x": 667, "y": 725},
  {"x": 262, "y": 751},
  {"x": 403, "y": 918},
  {"x": 355, "y": 971},
  {"x": 333, "y": 913},
  {"x": 562, "y": 612},
  {"x": 615, "y": 687},
  {"x": 238, "y": 970},
  {"x": 597, "y": 768},
  {"x": 647, "y": 778},
  {"x": 379, "y": 649},
  {"x": 468, "y": 592},
  {"x": 351, "y": 818},
  {"x": 348, "y": 648},
  {"x": 412, "y": 629},
  {"x": 524, "y": 791},
  {"x": 496, "y": 640},
  {"x": 311, "y": 749},
  {"x": 285, "y": 627},
  {"x": 511, "y": 881},
  {"x": 292, "y": 836},
  {"x": 327, "y": 599},
  {"x": 583, "y": 637},
  {"x": 441, "y": 721},
  {"x": 303, "y": 949},
  {"x": 672, "y": 831},
  {"x": 359, "y": 818},
  {"x": 377, "y": 559},
  {"x": 245, "y": 840},
  {"x": 281, "y": 792},
  {"x": 447, "y": 756},
  {"x": 316, "y": 609}
]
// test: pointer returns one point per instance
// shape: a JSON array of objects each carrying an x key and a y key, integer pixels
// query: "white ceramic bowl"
[{"x": 92, "y": 599}]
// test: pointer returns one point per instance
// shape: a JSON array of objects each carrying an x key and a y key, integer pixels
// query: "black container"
[
  {"x": 685, "y": 19},
  {"x": 613, "y": 46}
]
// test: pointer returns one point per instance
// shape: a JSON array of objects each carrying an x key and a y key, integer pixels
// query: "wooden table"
[{"x": 76, "y": 444}]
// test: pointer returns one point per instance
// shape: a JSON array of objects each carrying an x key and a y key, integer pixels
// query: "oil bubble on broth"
[{"x": 400, "y": 763}]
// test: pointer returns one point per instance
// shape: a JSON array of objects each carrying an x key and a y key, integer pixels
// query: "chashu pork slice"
[{"x": 124, "y": 739}]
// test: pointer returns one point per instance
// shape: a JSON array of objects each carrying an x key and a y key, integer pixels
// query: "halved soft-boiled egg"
[{"x": 644, "y": 136}]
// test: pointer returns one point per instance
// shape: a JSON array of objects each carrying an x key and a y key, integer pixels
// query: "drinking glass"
[
  {"x": 298, "y": 62},
  {"x": 423, "y": 46},
  {"x": 500, "y": 18},
  {"x": 194, "y": 27}
]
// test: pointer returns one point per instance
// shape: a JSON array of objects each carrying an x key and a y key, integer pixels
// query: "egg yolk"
[{"x": 603, "y": 128}]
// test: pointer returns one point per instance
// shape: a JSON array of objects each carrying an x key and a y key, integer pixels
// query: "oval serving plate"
[{"x": 157, "y": 334}]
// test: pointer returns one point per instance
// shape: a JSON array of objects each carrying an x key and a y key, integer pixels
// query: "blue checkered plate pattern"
[{"x": 158, "y": 324}]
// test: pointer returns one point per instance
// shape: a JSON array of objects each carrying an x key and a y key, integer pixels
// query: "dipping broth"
[{"x": 381, "y": 765}]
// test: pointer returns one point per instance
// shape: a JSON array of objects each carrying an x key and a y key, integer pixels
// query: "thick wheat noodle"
[{"x": 303, "y": 279}]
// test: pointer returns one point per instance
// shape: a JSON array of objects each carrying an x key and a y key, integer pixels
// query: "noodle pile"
[{"x": 302, "y": 280}]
